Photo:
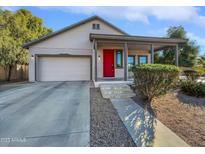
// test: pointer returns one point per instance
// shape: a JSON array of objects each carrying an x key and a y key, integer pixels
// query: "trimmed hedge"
[{"x": 154, "y": 79}]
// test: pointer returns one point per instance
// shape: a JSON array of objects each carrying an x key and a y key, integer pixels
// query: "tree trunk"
[
  {"x": 21, "y": 73},
  {"x": 9, "y": 73}
]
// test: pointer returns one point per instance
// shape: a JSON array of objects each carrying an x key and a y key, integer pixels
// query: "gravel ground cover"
[{"x": 107, "y": 129}]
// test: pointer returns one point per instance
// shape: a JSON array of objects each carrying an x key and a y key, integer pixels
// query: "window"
[
  {"x": 119, "y": 58},
  {"x": 96, "y": 26},
  {"x": 142, "y": 59},
  {"x": 131, "y": 61}
]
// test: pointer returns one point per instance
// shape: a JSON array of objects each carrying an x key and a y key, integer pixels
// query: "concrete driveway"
[{"x": 45, "y": 114}]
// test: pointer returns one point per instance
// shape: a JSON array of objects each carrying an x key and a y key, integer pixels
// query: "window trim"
[
  {"x": 95, "y": 26},
  {"x": 121, "y": 60},
  {"x": 98, "y": 26},
  {"x": 142, "y": 56},
  {"x": 133, "y": 57}
]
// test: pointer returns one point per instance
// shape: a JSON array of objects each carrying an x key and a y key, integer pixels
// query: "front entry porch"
[
  {"x": 114, "y": 55},
  {"x": 112, "y": 63}
]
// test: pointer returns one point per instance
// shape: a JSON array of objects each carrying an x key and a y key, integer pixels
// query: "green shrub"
[
  {"x": 191, "y": 74},
  {"x": 200, "y": 70},
  {"x": 193, "y": 88},
  {"x": 154, "y": 79}
]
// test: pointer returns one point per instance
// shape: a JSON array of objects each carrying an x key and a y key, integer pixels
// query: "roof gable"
[{"x": 26, "y": 45}]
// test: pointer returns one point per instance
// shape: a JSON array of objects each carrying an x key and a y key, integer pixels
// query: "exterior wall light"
[{"x": 32, "y": 57}]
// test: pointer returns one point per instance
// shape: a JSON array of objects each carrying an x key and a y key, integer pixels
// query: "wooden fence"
[{"x": 18, "y": 73}]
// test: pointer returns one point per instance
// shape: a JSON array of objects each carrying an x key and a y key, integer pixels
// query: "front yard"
[
  {"x": 183, "y": 114},
  {"x": 178, "y": 104}
]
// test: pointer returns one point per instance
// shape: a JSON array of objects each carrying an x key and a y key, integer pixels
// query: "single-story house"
[{"x": 92, "y": 49}]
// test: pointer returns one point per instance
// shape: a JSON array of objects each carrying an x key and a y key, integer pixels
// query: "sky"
[{"x": 145, "y": 21}]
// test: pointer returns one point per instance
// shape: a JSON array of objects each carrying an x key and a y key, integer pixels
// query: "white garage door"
[{"x": 63, "y": 68}]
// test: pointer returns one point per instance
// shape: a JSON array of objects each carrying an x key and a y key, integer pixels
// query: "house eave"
[{"x": 135, "y": 38}]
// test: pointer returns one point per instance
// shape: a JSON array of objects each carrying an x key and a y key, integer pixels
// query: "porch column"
[
  {"x": 125, "y": 61},
  {"x": 152, "y": 53},
  {"x": 177, "y": 55},
  {"x": 95, "y": 52}
]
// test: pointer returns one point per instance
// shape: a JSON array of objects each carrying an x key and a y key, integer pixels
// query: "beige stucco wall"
[{"x": 75, "y": 42}]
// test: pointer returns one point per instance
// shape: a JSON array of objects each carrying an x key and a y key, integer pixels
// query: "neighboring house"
[{"x": 92, "y": 49}]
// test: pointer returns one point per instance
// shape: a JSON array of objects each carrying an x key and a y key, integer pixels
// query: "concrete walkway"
[
  {"x": 116, "y": 91},
  {"x": 99, "y": 83},
  {"x": 145, "y": 129}
]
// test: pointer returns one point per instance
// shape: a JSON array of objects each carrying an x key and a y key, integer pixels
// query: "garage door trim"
[{"x": 61, "y": 55}]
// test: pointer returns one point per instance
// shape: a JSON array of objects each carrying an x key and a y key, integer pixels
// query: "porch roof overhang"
[
  {"x": 140, "y": 41},
  {"x": 135, "y": 38}
]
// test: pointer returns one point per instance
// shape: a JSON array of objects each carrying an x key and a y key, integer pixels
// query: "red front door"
[{"x": 108, "y": 63}]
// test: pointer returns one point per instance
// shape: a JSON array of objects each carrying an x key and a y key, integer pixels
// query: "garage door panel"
[{"x": 63, "y": 68}]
